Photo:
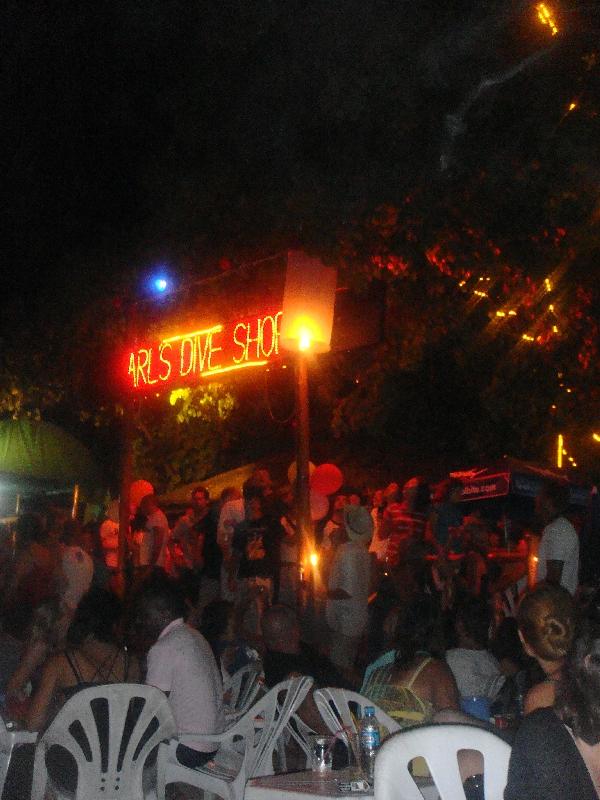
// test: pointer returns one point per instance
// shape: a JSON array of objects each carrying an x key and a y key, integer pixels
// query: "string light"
[
  {"x": 596, "y": 437},
  {"x": 546, "y": 18},
  {"x": 548, "y": 284},
  {"x": 526, "y": 337},
  {"x": 559, "y": 450},
  {"x": 512, "y": 313},
  {"x": 572, "y": 106},
  {"x": 500, "y": 313},
  {"x": 479, "y": 293}
]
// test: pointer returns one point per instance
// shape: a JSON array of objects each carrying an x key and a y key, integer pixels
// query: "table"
[{"x": 316, "y": 786}]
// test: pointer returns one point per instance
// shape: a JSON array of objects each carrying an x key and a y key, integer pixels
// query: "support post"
[
  {"x": 302, "y": 454},
  {"x": 125, "y": 484}
]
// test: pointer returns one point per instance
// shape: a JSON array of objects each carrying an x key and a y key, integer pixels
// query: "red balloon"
[
  {"x": 139, "y": 489},
  {"x": 326, "y": 479}
]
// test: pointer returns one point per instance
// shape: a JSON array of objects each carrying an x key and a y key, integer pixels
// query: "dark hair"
[
  {"x": 558, "y": 494},
  {"x": 578, "y": 696},
  {"x": 416, "y": 630},
  {"x": 97, "y": 615},
  {"x": 442, "y": 492},
  {"x": 165, "y": 594},
  {"x": 201, "y": 490},
  {"x": 422, "y": 497},
  {"x": 30, "y": 528},
  {"x": 215, "y": 618},
  {"x": 475, "y": 617},
  {"x": 547, "y": 617},
  {"x": 252, "y": 492}
]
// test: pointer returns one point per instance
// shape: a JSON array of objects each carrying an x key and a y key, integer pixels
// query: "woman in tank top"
[
  {"x": 416, "y": 685},
  {"x": 92, "y": 657}
]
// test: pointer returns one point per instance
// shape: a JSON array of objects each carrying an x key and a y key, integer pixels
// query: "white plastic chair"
[
  {"x": 342, "y": 709},
  {"x": 9, "y": 739},
  {"x": 110, "y": 731},
  {"x": 241, "y": 689},
  {"x": 256, "y": 735},
  {"x": 439, "y": 746}
]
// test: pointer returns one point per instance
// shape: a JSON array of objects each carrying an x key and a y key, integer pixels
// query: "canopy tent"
[
  {"x": 511, "y": 476},
  {"x": 40, "y": 457},
  {"x": 215, "y": 485}
]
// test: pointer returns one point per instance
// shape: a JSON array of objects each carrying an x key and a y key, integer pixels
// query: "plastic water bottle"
[{"x": 370, "y": 739}]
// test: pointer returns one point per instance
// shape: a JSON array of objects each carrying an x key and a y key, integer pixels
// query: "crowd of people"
[{"x": 399, "y": 580}]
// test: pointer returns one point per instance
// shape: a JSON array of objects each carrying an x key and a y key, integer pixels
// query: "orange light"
[
  {"x": 220, "y": 370},
  {"x": 559, "y": 450},
  {"x": 304, "y": 340},
  {"x": 545, "y": 17},
  {"x": 596, "y": 437},
  {"x": 512, "y": 313},
  {"x": 572, "y": 106},
  {"x": 480, "y": 294},
  {"x": 527, "y": 338},
  {"x": 500, "y": 313},
  {"x": 314, "y": 559}
]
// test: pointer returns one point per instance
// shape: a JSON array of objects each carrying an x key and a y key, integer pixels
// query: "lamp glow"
[
  {"x": 308, "y": 304},
  {"x": 304, "y": 340},
  {"x": 596, "y": 437},
  {"x": 314, "y": 559},
  {"x": 559, "y": 450}
]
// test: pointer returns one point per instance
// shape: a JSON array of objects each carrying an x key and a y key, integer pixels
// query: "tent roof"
[
  {"x": 215, "y": 485},
  {"x": 38, "y": 456}
]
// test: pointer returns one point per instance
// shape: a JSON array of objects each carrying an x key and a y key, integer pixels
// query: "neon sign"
[{"x": 189, "y": 357}]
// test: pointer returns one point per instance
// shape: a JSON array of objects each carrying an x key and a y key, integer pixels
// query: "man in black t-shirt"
[{"x": 256, "y": 548}]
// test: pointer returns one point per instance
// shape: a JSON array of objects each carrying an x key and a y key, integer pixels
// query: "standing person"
[
  {"x": 558, "y": 553},
  {"x": 181, "y": 664},
  {"x": 289, "y": 574},
  {"x": 196, "y": 532},
  {"x": 404, "y": 521},
  {"x": 109, "y": 535},
  {"x": 446, "y": 514},
  {"x": 348, "y": 586},
  {"x": 153, "y": 540},
  {"x": 231, "y": 512}
]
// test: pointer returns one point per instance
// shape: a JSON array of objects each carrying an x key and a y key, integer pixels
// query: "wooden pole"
[
  {"x": 302, "y": 454},
  {"x": 127, "y": 430}
]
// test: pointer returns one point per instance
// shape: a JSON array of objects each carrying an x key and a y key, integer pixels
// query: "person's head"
[
  {"x": 200, "y": 498},
  {"x": 29, "y": 529},
  {"x": 391, "y": 493},
  {"x": 448, "y": 491},
  {"x": 97, "y": 617},
  {"x": 148, "y": 504},
  {"x": 547, "y": 621},
  {"x": 159, "y": 603},
  {"x": 354, "y": 499},
  {"x": 377, "y": 498},
  {"x": 71, "y": 532},
  {"x": 358, "y": 524},
  {"x": 229, "y": 493},
  {"x": 253, "y": 501},
  {"x": 472, "y": 622},
  {"x": 262, "y": 479},
  {"x": 552, "y": 500},
  {"x": 578, "y": 700},
  {"x": 218, "y": 621},
  {"x": 416, "y": 630},
  {"x": 280, "y": 629}
]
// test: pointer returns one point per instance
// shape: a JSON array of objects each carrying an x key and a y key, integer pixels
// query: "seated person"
[
  {"x": 475, "y": 669},
  {"x": 387, "y": 653},
  {"x": 287, "y": 656},
  {"x": 219, "y": 625},
  {"x": 93, "y": 656},
  {"x": 416, "y": 685},
  {"x": 556, "y": 753},
  {"x": 547, "y": 621}
]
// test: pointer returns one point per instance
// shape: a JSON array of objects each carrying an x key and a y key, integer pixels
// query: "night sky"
[{"x": 139, "y": 132}]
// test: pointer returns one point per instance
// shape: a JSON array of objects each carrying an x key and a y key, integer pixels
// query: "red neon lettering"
[
  {"x": 151, "y": 380},
  {"x": 192, "y": 358},
  {"x": 244, "y": 354},
  {"x": 132, "y": 370},
  {"x": 212, "y": 349},
  {"x": 142, "y": 365},
  {"x": 164, "y": 361}
]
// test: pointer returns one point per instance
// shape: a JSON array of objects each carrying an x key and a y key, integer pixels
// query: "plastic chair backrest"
[
  {"x": 243, "y": 686},
  {"x": 110, "y": 731},
  {"x": 342, "y": 709},
  {"x": 439, "y": 746},
  {"x": 274, "y": 711}
]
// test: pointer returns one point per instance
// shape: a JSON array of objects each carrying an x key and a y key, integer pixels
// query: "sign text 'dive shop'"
[{"x": 188, "y": 357}]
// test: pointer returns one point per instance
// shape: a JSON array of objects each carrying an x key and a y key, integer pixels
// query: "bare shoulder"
[
  {"x": 539, "y": 696},
  {"x": 437, "y": 669}
]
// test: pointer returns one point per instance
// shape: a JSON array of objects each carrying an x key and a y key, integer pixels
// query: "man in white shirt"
[
  {"x": 154, "y": 539},
  {"x": 558, "y": 552},
  {"x": 181, "y": 664},
  {"x": 348, "y": 587}
]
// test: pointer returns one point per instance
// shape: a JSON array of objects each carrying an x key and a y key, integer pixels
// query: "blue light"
[{"x": 160, "y": 284}]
